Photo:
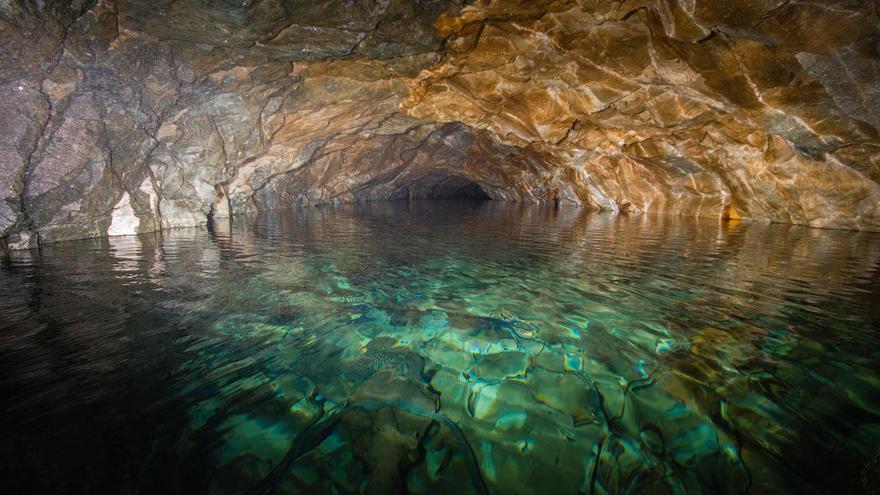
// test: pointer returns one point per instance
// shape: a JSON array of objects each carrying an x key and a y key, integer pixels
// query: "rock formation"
[{"x": 128, "y": 116}]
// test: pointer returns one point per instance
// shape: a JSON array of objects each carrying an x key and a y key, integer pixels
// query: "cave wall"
[
  {"x": 129, "y": 116},
  {"x": 747, "y": 109}
]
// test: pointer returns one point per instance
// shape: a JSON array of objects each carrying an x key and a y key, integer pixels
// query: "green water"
[{"x": 444, "y": 347}]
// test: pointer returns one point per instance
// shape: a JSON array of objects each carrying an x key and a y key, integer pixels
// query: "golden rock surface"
[{"x": 758, "y": 110}]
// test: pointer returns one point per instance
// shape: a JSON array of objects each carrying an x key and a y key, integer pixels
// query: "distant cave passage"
[{"x": 437, "y": 186}]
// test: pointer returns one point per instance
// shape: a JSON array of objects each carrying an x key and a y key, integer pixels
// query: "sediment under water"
[{"x": 444, "y": 347}]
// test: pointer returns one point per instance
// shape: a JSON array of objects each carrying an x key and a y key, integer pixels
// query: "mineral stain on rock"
[{"x": 127, "y": 116}]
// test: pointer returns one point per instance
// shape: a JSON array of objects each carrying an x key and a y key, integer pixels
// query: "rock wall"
[{"x": 127, "y": 116}]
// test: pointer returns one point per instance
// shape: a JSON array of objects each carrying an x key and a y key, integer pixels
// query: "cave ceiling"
[{"x": 130, "y": 116}]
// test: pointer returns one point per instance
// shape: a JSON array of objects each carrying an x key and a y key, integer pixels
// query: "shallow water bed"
[{"x": 445, "y": 347}]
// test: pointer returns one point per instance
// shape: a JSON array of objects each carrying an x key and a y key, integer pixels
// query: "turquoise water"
[{"x": 444, "y": 347}]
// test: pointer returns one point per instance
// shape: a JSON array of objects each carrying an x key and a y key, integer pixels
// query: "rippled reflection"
[{"x": 444, "y": 347}]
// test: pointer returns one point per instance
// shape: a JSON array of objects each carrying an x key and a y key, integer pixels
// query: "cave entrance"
[{"x": 438, "y": 186}]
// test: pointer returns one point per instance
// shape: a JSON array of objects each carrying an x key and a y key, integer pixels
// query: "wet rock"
[
  {"x": 501, "y": 365},
  {"x": 386, "y": 430},
  {"x": 382, "y": 355}
]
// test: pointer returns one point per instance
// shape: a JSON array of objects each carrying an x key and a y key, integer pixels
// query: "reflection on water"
[{"x": 444, "y": 348}]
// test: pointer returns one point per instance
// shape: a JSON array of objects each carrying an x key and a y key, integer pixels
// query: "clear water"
[{"x": 444, "y": 347}]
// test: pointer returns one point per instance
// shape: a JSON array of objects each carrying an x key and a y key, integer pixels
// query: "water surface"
[{"x": 444, "y": 347}]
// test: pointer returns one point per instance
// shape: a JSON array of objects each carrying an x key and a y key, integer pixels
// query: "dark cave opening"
[
  {"x": 468, "y": 191},
  {"x": 442, "y": 186},
  {"x": 474, "y": 191}
]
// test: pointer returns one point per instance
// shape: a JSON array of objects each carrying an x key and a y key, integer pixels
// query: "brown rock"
[{"x": 173, "y": 112}]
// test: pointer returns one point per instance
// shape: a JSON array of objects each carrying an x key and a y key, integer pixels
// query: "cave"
[
  {"x": 439, "y": 246},
  {"x": 441, "y": 186}
]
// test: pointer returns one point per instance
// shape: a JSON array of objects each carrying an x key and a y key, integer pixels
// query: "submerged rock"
[{"x": 381, "y": 354}]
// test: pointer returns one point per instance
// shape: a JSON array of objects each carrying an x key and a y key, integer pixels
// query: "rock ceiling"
[{"x": 133, "y": 115}]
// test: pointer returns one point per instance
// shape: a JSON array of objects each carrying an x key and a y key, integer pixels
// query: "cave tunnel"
[{"x": 440, "y": 186}]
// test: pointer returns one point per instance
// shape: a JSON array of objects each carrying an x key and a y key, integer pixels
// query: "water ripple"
[{"x": 444, "y": 347}]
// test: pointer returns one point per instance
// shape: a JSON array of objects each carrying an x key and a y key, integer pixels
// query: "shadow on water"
[{"x": 444, "y": 347}]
